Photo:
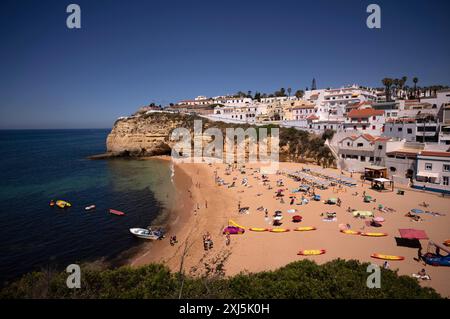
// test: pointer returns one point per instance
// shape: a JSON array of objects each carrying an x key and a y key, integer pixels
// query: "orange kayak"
[
  {"x": 311, "y": 252},
  {"x": 305, "y": 228},
  {"x": 374, "y": 234},
  {"x": 258, "y": 229},
  {"x": 279, "y": 230},
  {"x": 350, "y": 232},
  {"x": 447, "y": 242},
  {"x": 387, "y": 257}
]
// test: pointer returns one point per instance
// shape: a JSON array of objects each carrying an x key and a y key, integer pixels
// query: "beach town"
[{"x": 385, "y": 201}]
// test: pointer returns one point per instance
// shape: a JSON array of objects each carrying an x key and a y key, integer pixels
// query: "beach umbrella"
[
  {"x": 297, "y": 218},
  {"x": 416, "y": 211}
]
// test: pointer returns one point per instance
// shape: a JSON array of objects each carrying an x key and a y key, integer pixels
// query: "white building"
[
  {"x": 433, "y": 171},
  {"x": 367, "y": 120},
  {"x": 242, "y": 113}
]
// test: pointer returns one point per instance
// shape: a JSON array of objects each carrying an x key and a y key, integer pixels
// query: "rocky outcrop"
[{"x": 144, "y": 135}]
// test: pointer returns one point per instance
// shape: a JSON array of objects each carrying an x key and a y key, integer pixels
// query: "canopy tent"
[
  {"x": 378, "y": 184},
  {"x": 413, "y": 233}
]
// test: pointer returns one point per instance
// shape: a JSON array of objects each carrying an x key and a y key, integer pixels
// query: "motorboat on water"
[
  {"x": 147, "y": 233},
  {"x": 90, "y": 207}
]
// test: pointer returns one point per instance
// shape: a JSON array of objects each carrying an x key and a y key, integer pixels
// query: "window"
[
  {"x": 428, "y": 166},
  {"x": 400, "y": 129},
  {"x": 360, "y": 145},
  {"x": 392, "y": 169},
  {"x": 409, "y": 131},
  {"x": 380, "y": 147},
  {"x": 373, "y": 127},
  {"x": 446, "y": 168},
  {"x": 374, "y": 118},
  {"x": 363, "y": 158},
  {"x": 390, "y": 129},
  {"x": 363, "y": 127},
  {"x": 445, "y": 180}
]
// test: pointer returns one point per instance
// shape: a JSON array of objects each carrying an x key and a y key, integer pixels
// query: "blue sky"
[{"x": 131, "y": 53}]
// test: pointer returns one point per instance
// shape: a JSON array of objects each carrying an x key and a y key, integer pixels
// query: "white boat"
[
  {"x": 91, "y": 207},
  {"x": 146, "y": 233}
]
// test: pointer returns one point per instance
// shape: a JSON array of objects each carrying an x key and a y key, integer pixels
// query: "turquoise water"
[{"x": 39, "y": 165}]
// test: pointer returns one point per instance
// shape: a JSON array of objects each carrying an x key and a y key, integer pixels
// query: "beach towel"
[{"x": 413, "y": 233}]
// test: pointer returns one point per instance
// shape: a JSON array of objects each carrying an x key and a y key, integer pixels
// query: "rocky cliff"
[
  {"x": 144, "y": 134},
  {"x": 148, "y": 134}
]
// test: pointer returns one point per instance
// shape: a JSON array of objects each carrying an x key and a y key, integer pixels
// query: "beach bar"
[{"x": 372, "y": 172}]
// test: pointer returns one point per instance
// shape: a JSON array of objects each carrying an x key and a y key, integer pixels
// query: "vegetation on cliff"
[{"x": 301, "y": 279}]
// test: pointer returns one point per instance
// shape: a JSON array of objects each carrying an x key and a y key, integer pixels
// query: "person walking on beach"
[
  {"x": 239, "y": 206},
  {"x": 227, "y": 239}
]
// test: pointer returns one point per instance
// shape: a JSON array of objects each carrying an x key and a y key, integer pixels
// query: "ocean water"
[{"x": 39, "y": 165}]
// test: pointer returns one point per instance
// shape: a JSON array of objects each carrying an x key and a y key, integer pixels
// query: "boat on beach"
[{"x": 147, "y": 233}]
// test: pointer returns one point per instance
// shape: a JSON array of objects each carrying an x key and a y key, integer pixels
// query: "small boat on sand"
[
  {"x": 116, "y": 212},
  {"x": 147, "y": 233},
  {"x": 88, "y": 208}
]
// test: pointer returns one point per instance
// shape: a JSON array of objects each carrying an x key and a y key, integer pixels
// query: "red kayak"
[{"x": 116, "y": 212}]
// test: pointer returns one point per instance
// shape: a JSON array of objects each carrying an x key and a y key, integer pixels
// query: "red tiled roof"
[
  {"x": 364, "y": 113},
  {"x": 312, "y": 117},
  {"x": 437, "y": 154}
]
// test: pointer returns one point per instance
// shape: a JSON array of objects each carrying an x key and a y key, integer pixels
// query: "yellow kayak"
[
  {"x": 311, "y": 252},
  {"x": 258, "y": 229},
  {"x": 63, "y": 204},
  {"x": 305, "y": 228},
  {"x": 350, "y": 232},
  {"x": 387, "y": 257},
  {"x": 233, "y": 223},
  {"x": 374, "y": 234},
  {"x": 279, "y": 230}
]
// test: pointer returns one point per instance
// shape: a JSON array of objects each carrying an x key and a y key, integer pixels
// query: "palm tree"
[
  {"x": 387, "y": 82},
  {"x": 415, "y": 80},
  {"x": 396, "y": 83}
]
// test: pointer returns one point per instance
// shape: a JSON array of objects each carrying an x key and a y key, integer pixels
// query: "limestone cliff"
[{"x": 144, "y": 134}]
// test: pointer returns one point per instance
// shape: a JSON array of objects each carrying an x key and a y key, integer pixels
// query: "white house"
[
  {"x": 433, "y": 171},
  {"x": 367, "y": 120}
]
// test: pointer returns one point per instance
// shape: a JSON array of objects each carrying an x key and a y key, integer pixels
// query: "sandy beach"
[{"x": 204, "y": 206}]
